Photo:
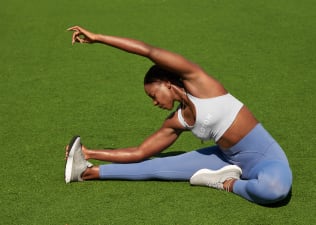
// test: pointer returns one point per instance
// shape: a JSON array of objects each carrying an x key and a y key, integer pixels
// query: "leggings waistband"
[{"x": 258, "y": 140}]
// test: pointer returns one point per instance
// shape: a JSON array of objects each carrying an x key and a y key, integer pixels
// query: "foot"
[
  {"x": 216, "y": 178},
  {"x": 76, "y": 163}
]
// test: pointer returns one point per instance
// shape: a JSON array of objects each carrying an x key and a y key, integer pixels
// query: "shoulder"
[
  {"x": 173, "y": 122},
  {"x": 202, "y": 85}
]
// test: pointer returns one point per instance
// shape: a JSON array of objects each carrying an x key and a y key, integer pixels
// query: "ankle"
[
  {"x": 91, "y": 173},
  {"x": 228, "y": 184}
]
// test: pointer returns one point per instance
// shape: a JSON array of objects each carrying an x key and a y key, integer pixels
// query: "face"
[{"x": 161, "y": 94}]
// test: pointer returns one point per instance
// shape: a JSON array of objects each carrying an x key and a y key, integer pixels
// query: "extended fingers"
[
  {"x": 74, "y": 28},
  {"x": 75, "y": 35}
]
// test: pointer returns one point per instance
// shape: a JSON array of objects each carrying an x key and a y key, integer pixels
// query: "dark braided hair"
[{"x": 156, "y": 73}]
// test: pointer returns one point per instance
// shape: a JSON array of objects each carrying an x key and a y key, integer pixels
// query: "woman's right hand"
[{"x": 82, "y": 35}]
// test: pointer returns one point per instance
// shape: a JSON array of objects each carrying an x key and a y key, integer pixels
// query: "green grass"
[{"x": 262, "y": 51}]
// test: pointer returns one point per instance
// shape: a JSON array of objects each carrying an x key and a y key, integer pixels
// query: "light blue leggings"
[{"x": 266, "y": 178}]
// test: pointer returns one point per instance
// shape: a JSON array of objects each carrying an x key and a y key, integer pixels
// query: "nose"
[{"x": 155, "y": 102}]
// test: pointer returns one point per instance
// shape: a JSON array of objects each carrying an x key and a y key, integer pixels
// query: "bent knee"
[
  {"x": 276, "y": 194},
  {"x": 274, "y": 183},
  {"x": 273, "y": 192}
]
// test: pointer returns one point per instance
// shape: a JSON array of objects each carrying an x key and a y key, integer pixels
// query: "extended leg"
[{"x": 180, "y": 167}]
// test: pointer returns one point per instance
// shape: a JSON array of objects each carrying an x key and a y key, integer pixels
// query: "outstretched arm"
[
  {"x": 164, "y": 58},
  {"x": 195, "y": 79},
  {"x": 154, "y": 144}
]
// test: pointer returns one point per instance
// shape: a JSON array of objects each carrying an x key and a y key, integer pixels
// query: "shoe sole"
[
  {"x": 228, "y": 171},
  {"x": 69, "y": 161}
]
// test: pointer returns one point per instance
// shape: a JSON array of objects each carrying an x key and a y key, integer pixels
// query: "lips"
[{"x": 162, "y": 106}]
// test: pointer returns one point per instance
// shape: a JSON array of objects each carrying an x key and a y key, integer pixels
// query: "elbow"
[{"x": 152, "y": 52}]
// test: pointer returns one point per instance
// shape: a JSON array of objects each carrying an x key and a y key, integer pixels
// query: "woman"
[{"x": 244, "y": 149}]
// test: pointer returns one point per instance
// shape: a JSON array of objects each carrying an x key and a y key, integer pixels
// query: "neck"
[{"x": 180, "y": 93}]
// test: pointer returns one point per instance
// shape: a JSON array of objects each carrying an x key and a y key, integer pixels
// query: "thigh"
[
  {"x": 258, "y": 146},
  {"x": 271, "y": 171}
]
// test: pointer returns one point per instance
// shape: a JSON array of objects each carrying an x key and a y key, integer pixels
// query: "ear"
[{"x": 168, "y": 83}]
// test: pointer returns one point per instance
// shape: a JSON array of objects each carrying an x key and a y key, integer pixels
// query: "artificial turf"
[{"x": 262, "y": 51}]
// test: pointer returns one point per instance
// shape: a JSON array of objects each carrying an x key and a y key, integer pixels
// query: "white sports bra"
[{"x": 213, "y": 116}]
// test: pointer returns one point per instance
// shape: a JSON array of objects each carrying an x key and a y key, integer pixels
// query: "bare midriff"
[{"x": 242, "y": 125}]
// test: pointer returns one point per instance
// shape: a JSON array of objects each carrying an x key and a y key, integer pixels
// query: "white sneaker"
[
  {"x": 76, "y": 163},
  {"x": 215, "y": 178}
]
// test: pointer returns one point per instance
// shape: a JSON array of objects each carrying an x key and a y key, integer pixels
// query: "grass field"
[{"x": 262, "y": 51}]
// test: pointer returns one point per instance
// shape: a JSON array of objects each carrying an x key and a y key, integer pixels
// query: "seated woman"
[{"x": 246, "y": 160}]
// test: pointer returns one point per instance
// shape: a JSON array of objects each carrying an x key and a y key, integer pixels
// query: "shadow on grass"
[
  {"x": 281, "y": 203},
  {"x": 167, "y": 154}
]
